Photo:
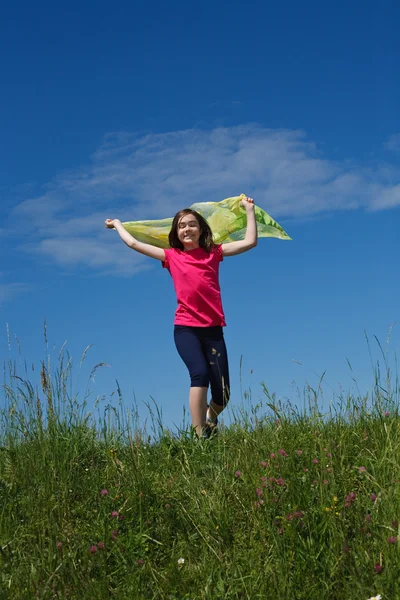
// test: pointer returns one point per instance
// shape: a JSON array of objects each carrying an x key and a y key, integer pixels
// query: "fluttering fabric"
[{"x": 227, "y": 220}]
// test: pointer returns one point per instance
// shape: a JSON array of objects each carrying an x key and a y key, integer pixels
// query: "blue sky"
[{"x": 135, "y": 111}]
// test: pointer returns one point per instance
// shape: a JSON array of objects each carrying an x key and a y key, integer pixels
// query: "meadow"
[{"x": 285, "y": 503}]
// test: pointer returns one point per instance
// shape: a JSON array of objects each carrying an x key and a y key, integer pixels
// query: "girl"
[{"x": 193, "y": 262}]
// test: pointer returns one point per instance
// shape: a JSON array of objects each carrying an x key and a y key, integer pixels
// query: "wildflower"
[
  {"x": 299, "y": 452},
  {"x": 329, "y": 470},
  {"x": 237, "y": 474},
  {"x": 204, "y": 492},
  {"x": 167, "y": 506},
  {"x": 93, "y": 549},
  {"x": 59, "y": 545},
  {"x": 395, "y": 524},
  {"x": 259, "y": 492},
  {"x": 373, "y": 497},
  {"x": 298, "y": 514},
  {"x": 103, "y": 492},
  {"x": 386, "y": 413},
  {"x": 272, "y": 455},
  {"x": 392, "y": 539},
  {"x": 282, "y": 452},
  {"x": 280, "y": 482},
  {"x": 121, "y": 517},
  {"x": 315, "y": 461},
  {"x": 328, "y": 455},
  {"x": 378, "y": 568},
  {"x": 289, "y": 517},
  {"x": 334, "y": 499},
  {"x": 140, "y": 562},
  {"x": 325, "y": 482},
  {"x": 100, "y": 545},
  {"x": 305, "y": 470},
  {"x": 368, "y": 517},
  {"x": 362, "y": 469},
  {"x": 327, "y": 509},
  {"x": 378, "y": 597},
  {"x": 181, "y": 561},
  {"x": 114, "y": 534},
  {"x": 263, "y": 463},
  {"x": 114, "y": 514}
]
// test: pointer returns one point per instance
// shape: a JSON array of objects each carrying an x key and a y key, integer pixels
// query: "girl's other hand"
[
  {"x": 110, "y": 223},
  {"x": 247, "y": 203}
]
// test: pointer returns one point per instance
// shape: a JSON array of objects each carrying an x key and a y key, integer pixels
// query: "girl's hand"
[
  {"x": 247, "y": 203},
  {"x": 110, "y": 223}
]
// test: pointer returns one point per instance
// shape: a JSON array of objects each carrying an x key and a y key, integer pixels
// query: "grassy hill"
[{"x": 283, "y": 504}]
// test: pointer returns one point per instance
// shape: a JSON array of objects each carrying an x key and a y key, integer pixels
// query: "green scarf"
[{"x": 227, "y": 220}]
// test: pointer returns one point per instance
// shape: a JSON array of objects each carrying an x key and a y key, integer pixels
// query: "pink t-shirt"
[{"x": 195, "y": 277}]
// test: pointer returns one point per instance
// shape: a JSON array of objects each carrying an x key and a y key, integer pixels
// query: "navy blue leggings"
[{"x": 203, "y": 351}]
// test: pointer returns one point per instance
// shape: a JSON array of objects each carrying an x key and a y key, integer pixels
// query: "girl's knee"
[{"x": 199, "y": 379}]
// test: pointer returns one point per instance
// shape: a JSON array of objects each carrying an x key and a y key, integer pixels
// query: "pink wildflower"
[
  {"x": 100, "y": 545},
  {"x": 325, "y": 482},
  {"x": 362, "y": 469},
  {"x": 59, "y": 545},
  {"x": 373, "y": 497},
  {"x": 328, "y": 455},
  {"x": 386, "y": 413},
  {"x": 395, "y": 524},
  {"x": 114, "y": 514},
  {"x": 93, "y": 549},
  {"x": 140, "y": 562},
  {"x": 238, "y": 474},
  {"x": 259, "y": 492},
  {"x": 280, "y": 482},
  {"x": 378, "y": 568},
  {"x": 272, "y": 455},
  {"x": 315, "y": 461},
  {"x": 121, "y": 517},
  {"x": 263, "y": 463},
  {"x": 392, "y": 539},
  {"x": 167, "y": 505},
  {"x": 299, "y": 452},
  {"x": 282, "y": 452},
  {"x": 103, "y": 492},
  {"x": 114, "y": 534}
]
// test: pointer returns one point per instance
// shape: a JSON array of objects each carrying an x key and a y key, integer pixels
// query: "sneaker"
[{"x": 211, "y": 427}]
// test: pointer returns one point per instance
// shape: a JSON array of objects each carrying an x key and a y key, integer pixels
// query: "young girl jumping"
[{"x": 193, "y": 262}]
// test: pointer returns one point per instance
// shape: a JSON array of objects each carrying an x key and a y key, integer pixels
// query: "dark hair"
[{"x": 206, "y": 238}]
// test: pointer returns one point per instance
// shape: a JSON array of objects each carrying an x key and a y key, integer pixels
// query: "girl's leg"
[
  {"x": 190, "y": 350},
  {"x": 217, "y": 357},
  {"x": 198, "y": 407}
]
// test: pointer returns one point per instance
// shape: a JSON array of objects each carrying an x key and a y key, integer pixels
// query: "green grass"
[{"x": 276, "y": 506}]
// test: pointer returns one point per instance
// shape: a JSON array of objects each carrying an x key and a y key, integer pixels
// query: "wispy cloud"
[
  {"x": 393, "y": 143},
  {"x": 139, "y": 177},
  {"x": 8, "y": 291}
]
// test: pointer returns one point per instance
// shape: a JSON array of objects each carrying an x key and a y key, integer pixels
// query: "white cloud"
[
  {"x": 393, "y": 143},
  {"x": 8, "y": 291},
  {"x": 142, "y": 177}
]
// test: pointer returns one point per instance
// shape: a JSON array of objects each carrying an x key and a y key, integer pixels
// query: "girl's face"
[{"x": 189, "y": 232}]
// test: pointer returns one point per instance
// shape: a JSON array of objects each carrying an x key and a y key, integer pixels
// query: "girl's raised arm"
[
  {"x": 250, "y": 240},
  {"x": 147, "y": 249}
]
